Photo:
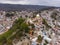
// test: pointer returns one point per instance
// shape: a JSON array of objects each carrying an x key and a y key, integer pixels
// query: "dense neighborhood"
[{"x": 30, "y": 28}]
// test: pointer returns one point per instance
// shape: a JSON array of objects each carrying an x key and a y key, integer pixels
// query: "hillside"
[{"x": 9, "y": 7}]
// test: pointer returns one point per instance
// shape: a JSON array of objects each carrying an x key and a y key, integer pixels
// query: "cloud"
[
  {"x": 33, "y": 2},
  {"x": 15, "y": 0}
]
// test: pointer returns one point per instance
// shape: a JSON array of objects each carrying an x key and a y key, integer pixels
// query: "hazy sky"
[{"x": 33, "y": 2}]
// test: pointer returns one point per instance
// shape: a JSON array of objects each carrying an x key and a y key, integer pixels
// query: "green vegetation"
[
  {"x": 32, "y": 25},
  {"x": 40, "y": 39},
  {"x": 45, "y": 42},
  {"x": 9, "y": 42},
  {"x": 54, "y": 14},
  {"x": 9, "y": 14},
  {"x": 18, "y": 29},
  {"x": 26, "y": 16},
  {"x": 46, "y": 24}
]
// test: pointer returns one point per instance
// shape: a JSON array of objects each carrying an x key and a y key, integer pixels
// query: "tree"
[
  {"x": 32, "y": 25},
  {"x": 3, "y": 40},
  {"x": 26, "y": 16},
  {"x": 54, "y": 14},
  {"x": 24, "y": 27},
  {"x": 40, "y": 39},
  {"x": 20, "y": 16},
  {"x": 9, "y": 14},
  {"x": 16, "y": 31},
  {"x": 46, "y": 42},
  {"x": 34, "y": 16},
  {"x": 9, "y": 42},
  {"x": 46, "y": 24}
]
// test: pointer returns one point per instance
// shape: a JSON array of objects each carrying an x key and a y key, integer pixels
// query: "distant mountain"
[{"x": 9, "y": 7}]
